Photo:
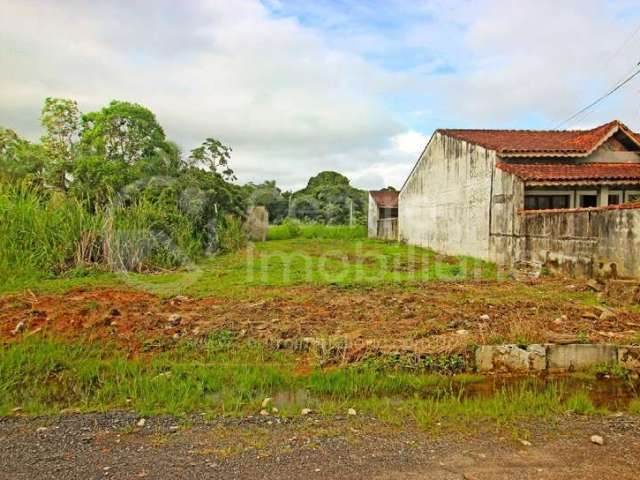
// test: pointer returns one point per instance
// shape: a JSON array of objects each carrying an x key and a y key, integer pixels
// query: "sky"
[{"x": 297, "y": 87}]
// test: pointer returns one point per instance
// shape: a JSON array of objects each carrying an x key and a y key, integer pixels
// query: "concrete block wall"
[{"x": 582, "y": 242}]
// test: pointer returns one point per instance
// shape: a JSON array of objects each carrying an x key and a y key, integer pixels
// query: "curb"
[{"x": 554, "y": 358}]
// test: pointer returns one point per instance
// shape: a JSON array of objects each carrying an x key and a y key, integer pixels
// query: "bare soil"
[
  {"x": 435, "y": 317},
  {"x": 113, "y": 446}
]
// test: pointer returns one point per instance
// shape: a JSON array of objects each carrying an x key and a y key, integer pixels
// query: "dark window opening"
[
  {"x": 614, "y": 199},
  {"x": 588, "y": 201},
  {"x": 388, "y": 213},
  {"x": 545, "y": 202}
]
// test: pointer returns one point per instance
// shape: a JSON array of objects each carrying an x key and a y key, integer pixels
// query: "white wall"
[
  {"x": 372, "y": 218},
  {"x": 444, "y": 205}
]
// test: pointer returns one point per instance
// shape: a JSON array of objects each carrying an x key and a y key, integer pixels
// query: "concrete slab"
[{"x": 579, "y": 357}]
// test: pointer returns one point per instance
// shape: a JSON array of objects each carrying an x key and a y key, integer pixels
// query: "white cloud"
[{"x": 354, "y": 87}]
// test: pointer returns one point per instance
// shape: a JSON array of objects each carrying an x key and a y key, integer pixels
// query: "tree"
[
  {"x": 214, "y": 156},
  {"x": 271, "y": 197},
  {"x": 332, "y": 197},
  {"x": 20, "y": 159},
  {"x": 124, "y": 132},
  {"x": 61, "y": 121}
]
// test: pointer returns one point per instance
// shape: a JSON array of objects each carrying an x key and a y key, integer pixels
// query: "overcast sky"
[{"x": 297, "y": 87}]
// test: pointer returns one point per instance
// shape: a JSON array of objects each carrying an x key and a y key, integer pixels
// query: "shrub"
[{"x": 232, "y": 234}]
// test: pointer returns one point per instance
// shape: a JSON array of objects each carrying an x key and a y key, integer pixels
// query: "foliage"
[
  {"x": 213, "y": 156},
  {"x": 20, "y": 159},
  {"x": 61, "y": 121},
  {"x": 232, "y": 236},
  {"x": 271, "y": 197},
  {"x": 329, "y": 198},
  {"x": 127, "y": 200}
]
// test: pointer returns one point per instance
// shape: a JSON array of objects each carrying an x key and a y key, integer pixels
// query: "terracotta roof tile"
[
  {"x": 563, "y": 171},
  {"x": 536, "y": 142},
  {"x": 385, "y": 198}
]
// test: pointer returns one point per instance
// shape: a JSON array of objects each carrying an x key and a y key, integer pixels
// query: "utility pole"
[{"x": 351, "y": 212}]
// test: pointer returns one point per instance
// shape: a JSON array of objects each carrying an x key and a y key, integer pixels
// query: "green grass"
[
  {"x": 289, "y": 230},
  {"x": 298, "y": 261},
  {"x": 224, "y": 377}
]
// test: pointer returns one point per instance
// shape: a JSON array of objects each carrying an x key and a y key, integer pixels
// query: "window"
[
  {"x": 588, "y": 201},
  {"x": 613, "y": 199},
  {"x": 633, "y": 197},
  {"x": 545, "y": 202}
]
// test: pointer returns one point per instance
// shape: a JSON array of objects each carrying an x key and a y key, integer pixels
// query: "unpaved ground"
[
  {"x": 112, "y": 446},
  {"x": 435, "y": 317}
]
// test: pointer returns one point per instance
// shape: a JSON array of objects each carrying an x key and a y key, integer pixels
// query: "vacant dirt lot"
[
  {"x": 433, "y": 317},
  {"x": 113, "y": 446}
]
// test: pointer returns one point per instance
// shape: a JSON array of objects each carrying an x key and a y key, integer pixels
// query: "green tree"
[
  {"x": 271, "y": 197},
  {"x": 213, "y": 155},
  {"x": 329, "y": 198},
  {"x": 20, "y": 159},
  {"x": 125, "y": 132},
  {"x": 61, "y": 120}
]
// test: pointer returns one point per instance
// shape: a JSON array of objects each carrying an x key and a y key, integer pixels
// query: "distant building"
[
  {"x": 559, "y": 198},
  {"x": 383, "y": 214}
]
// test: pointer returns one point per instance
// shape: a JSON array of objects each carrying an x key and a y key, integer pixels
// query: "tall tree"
[
  {"x": 61, "y": 121},
  {"x": 123, "y": 131},
  {"x": 214, "y": 156}
]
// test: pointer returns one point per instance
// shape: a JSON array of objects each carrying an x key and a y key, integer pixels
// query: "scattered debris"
[
  {"x": 141, "y": 423},
  {"x": 352, "y": 412},
  {"x": 175, "y": 319},
  {"x": 597, "y": 439},
  {"x": 264, "y": 413},
  {"x": 594, "y": 285},
  {"x": 266, "y": 402},
  {"x": 19, "y": 328},
  {"x": 526, "y": 443},
  {"x": 41, "y": 429},
  {"x": 305, "y": 411}
]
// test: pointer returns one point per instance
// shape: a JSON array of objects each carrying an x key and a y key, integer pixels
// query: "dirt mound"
[{"x": 438, "y": 317}]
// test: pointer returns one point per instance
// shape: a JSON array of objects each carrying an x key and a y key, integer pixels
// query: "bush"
[
  {"x": 44, "y": 234},
  {"x": 232, "y": 234}
]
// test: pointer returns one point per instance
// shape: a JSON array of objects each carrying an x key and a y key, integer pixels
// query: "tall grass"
[{"x": 44, "y": 234}]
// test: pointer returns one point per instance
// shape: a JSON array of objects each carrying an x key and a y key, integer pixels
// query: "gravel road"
[{"x": 120, "y": 446}]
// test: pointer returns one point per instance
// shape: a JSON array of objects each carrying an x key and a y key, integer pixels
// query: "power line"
[{"x": 595, "y": 102}]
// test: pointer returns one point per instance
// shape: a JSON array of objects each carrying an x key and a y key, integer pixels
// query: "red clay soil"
[{"x": 438, "y": 317}]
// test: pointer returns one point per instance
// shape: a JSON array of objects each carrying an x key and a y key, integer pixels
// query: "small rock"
[
  {"x": 526, "y": 443},
  {"x": 485, "y": 317},
  {"x": 141, "y": 422},
  {"x": 352, "y": 411},
  {"x": 266, "y": 402},
  {"x": 175, "y": 319},
  {"x": 41, "y": 429},
  {"x": 305, "y": 411},
  {"x": 174, "y": 428},
  {"x": 462, "y": 332},
  {"x": 597, "y": 439},
  {"x": 264, "y": 413},
  {"x": 19, "y": 328},
  {"x": 560, "y": 320}
]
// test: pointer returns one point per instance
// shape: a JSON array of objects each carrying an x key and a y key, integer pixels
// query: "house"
[
  {"x": 383, "y": 214},
  {"x": 558, "y": 198}
]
